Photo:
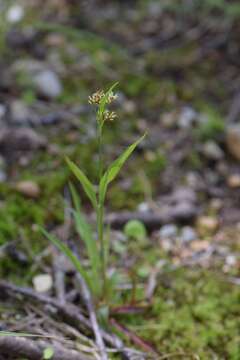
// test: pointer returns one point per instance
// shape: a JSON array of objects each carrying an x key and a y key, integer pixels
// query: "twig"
[
  {"x": 69, "y": 312},
  {"x": 151, "y": 220},
  {"x": 134, "y": 338},
  {"x": 33, "y": 350},
  {"x": 58, "y": 260},
  {"x": 72, "y": 295},
  {"x": 151, "y": 285},
  {"x": 59, "y": 280},
  {"x": 92, "y": 315}
]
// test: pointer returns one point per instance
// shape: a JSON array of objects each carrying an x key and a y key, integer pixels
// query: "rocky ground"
[{"x": 178, "y": 79}]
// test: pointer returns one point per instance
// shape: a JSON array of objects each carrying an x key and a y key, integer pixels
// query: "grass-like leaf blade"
[
  {"x": 86, "y": 234},
  {"x": 67, "y": 252},
  {"x": 86, "y": 184},
  {"x": 115, "y": 167},
  {"x": 84, "y": 230}
]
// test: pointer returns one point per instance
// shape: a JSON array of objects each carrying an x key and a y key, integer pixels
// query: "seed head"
[
  {"x": 109, "y": 115},
  {"x": 96, "y": 97},
  {"x": 111, "y": 97}
]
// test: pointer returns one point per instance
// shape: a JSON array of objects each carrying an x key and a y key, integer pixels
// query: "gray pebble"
[
  {"x": 188, "y": 234},
  {"x": 47, "y": 83},
  {"x": 168, "y": 231}
]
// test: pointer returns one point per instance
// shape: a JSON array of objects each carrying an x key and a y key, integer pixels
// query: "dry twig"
[
  {"x": 69, "y": 312},
  {"x": 33, "y": 350},
  {"x": 92, "y": 315}
]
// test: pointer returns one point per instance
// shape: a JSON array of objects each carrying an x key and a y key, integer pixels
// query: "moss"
[
  {"x": 194, "y": 313},
  {"x": 212, "y": 126}
]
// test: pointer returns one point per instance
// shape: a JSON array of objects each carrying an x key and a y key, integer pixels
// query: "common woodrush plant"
[{"x": 100, "y": 283}]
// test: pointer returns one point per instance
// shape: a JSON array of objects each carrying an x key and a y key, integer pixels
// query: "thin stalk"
[
  {"x": 100, "y": 152},
  {"x": 100, "y": 211},
  {"x": 100, "y": 214}
]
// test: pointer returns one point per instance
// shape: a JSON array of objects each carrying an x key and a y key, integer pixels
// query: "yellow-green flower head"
[
  {"x": 109, "y": 115},
  {"x": 96, "y": 97},
  {"x": 99, "y": 95},
  {"x": 111, "y": 97}
]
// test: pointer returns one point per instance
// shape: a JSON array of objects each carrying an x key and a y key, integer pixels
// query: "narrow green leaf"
[
  {"x": 85, "y": 232},
  {"x": 114, "y": 169},
  {"x": 66, "y": 251},
  {"x": 75, "y": 197},
  {"x": 86, "y": 184},
  {"x": 16, "y": 334}
]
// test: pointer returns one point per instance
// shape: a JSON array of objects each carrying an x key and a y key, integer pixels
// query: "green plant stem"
[
  {"x": 100, "y": 152},
  {"x": 100, "y": 212}
]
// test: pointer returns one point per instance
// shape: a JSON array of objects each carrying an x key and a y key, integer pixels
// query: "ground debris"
[{"x": 20, "y": 139}]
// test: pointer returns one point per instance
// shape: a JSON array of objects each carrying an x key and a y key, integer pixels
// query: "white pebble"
[
  {"x": 15, "y": 13},
  {"x": 42, "y": 283}
]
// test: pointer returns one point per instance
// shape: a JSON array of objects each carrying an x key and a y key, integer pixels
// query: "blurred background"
[{"x": 178, "y": 67}]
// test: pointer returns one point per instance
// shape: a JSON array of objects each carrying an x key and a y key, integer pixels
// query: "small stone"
[
  {"x": 20, "y": 139},
  {"x": 42, "y": 283},
  {"x": 233, "y": 140},
  {"x": 47, "y": 84},
  {"x": 19, "y": 112},
  {"x": 207, "y": 225},
  {"x": 184, "y": 211},
  {"x": 212, "y": 151},
  {"x": 15, "y": 13},
  {"x": 28, "y": 188},
  {"x": 183, "y": 194},
  {"x": 234, "y": 181},
  {"x": 168, "y": 231},
  {"x": 187, "y": 117},
  {"x": 143, "y": 207},
  {"x": 188, "y": 234},
  {"x": 231, "y": 260}
]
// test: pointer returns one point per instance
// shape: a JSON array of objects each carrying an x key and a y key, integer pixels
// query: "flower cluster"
[
  {"x": 109, "y": 115},
  {"x": 111, "y": 97},
  {"x": 99, "y": 95},
  {"x": 96, "y": 97}
]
